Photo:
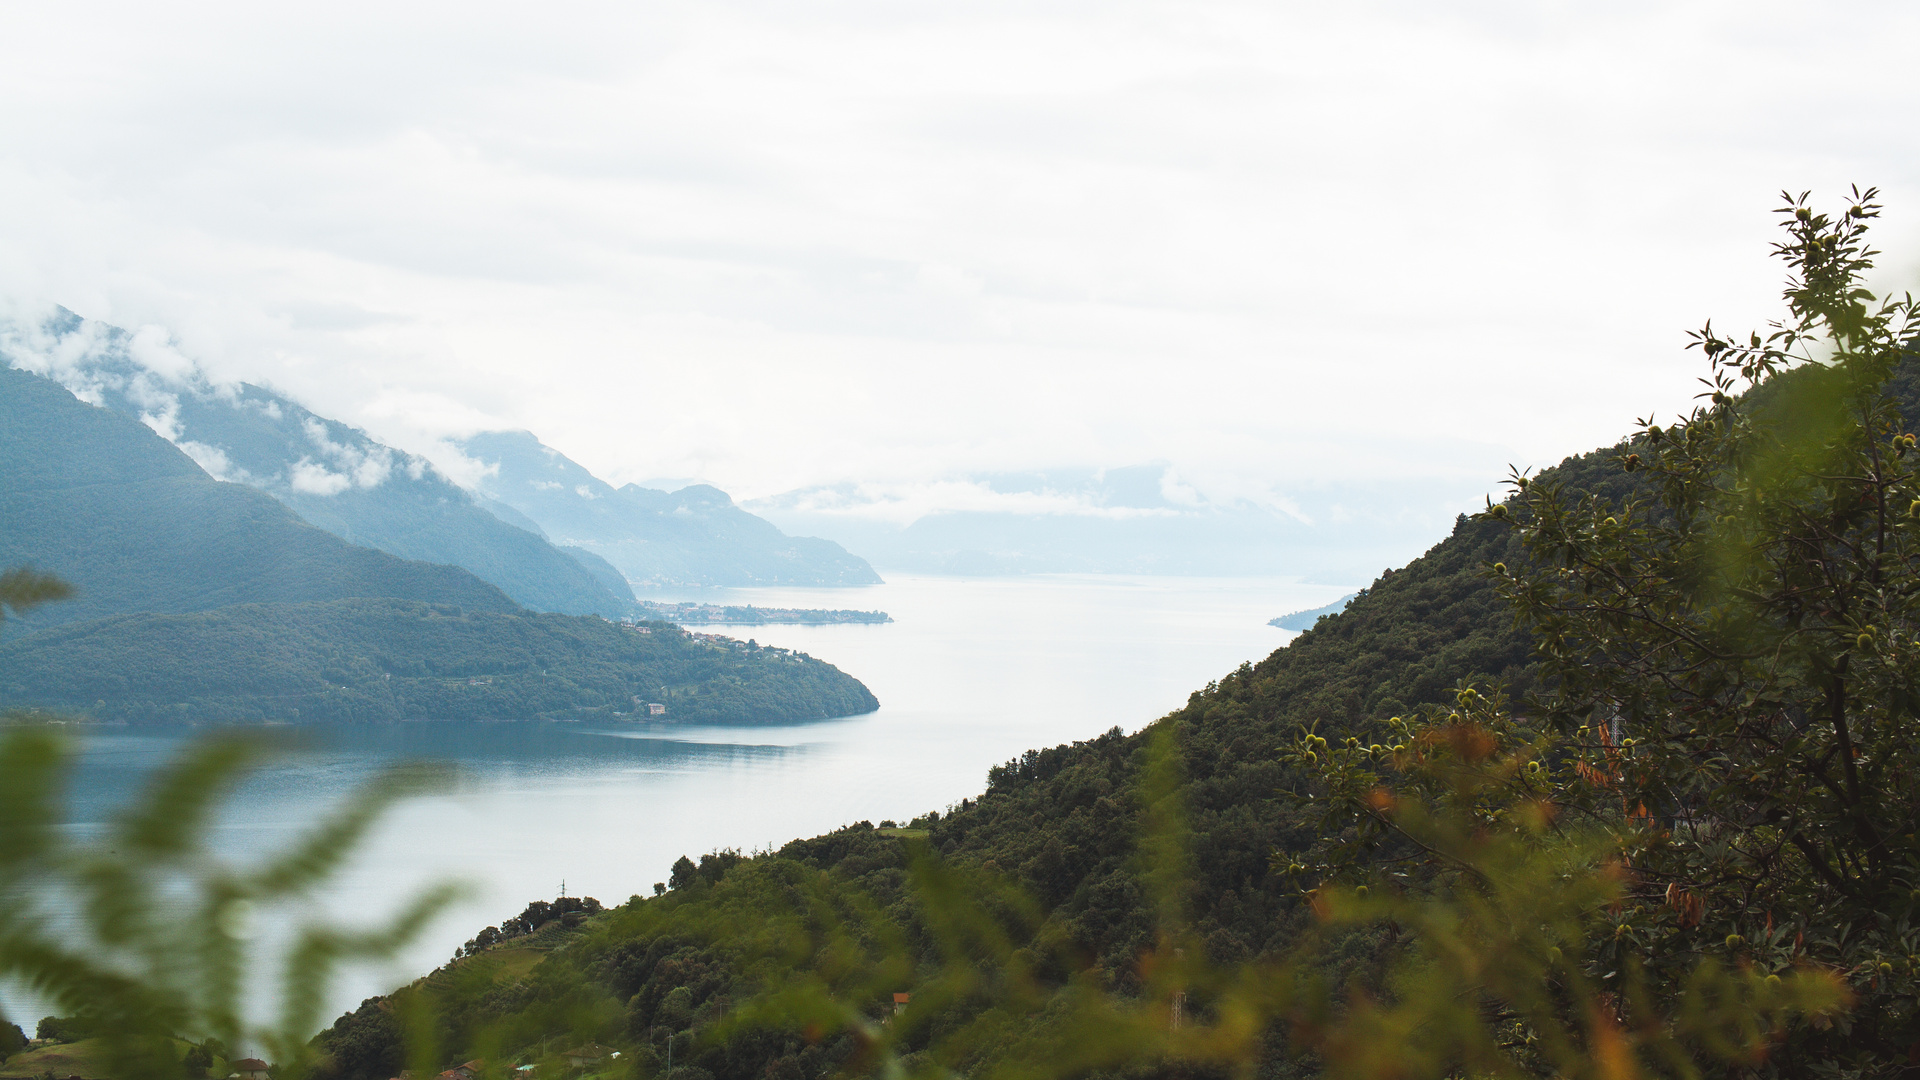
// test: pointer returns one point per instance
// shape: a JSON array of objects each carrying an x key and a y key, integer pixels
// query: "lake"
[{"x": 972, "y": 672}]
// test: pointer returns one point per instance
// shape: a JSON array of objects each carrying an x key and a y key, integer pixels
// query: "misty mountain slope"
[
  {"x": 600, "y": 568},
  {"x": 694, "y": 536},
  {"x": 418, "y": 519},
  {"x": 381, "y": 660},
  {"x": 332, "y": 475},
  {"x": 135, "y": 525}
]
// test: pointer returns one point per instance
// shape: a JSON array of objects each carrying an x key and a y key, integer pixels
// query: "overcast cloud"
[{"x": 778, "y": 245}]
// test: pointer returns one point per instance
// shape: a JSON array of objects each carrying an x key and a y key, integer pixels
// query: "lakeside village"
[{"x": 688, "y": 612}]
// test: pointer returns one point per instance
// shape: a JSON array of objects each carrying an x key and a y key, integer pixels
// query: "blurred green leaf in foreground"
[
  {"x": 142, "y": 930},
  {"x": 1483, "y": 973}
]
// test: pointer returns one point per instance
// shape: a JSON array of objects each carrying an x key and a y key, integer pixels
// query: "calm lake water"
[{"x": 972, "y": 671}]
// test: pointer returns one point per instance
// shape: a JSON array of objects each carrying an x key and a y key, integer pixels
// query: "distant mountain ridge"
[
  {"x": 693, "y": 536},
  {"x": 135, "y": 525},
  {"x": 543, "y": 529},
  {"x": 1137, "y": 519},
  {"x": 1305, "y": 620},
  {"x": 333, "y": 475},
  {"x": 203, "y": 601}
]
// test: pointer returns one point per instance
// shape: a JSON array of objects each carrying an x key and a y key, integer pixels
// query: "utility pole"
[{"x": 1177, "y": 1012}]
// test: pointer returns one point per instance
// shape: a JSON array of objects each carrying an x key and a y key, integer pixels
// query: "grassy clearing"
[
  {"x": 508, "y": 965},
  {"x": 86, "y": 1057}
]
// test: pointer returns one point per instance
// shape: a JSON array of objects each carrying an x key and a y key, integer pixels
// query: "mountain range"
[
  {"x": 1137, "y": 519},
  {"x": 693, "y": 536},
  {"x": 213, "y": 602},
  {"x": 341, "y": 479},
  {"x": 136, "y": 526}
]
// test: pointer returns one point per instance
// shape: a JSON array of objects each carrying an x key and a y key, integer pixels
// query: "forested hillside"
[
  {"x": 134, "y": 525},
  {"x": 1061, "y": 822},
  {"x": 367, "y": 660}
]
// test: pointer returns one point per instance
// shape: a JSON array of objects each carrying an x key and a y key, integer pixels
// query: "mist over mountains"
[
  {"x": 135, "y": 526},
  {"x": 555, "y": 537},
  {"x": 202, "y": 601},
  {"x": 1140, "y": 519},
  {"x": 653, "y": 537},
  {"x": 339, "y": 478}
]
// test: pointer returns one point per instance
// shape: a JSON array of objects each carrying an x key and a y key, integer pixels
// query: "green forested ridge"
[
  {"x": 364, "y": 660},
  {"x": 1061, "y": 822},
  {"x": 134, "y": 525}
]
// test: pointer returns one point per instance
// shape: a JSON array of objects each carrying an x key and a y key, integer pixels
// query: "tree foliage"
[
  {"x": 142, "y": 934},
  {"x": 1734, "y": 659}
]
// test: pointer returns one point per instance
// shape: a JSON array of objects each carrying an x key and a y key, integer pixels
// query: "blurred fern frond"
[
  {"x": 1483, "y": 969},
  {"x": 147, "y": 932}
]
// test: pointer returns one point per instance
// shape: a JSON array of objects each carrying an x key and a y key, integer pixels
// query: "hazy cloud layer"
[
  {"x": 143, "y": 374},
  {"x": 903, "y": 244}
]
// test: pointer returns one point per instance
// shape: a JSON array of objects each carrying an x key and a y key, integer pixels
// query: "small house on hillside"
[
  {"x": 249, "y": 1069},
  {"x": 581, "y": 1057}
]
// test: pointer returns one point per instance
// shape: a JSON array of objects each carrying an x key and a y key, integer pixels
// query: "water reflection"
[{"x": 309, "y": 767}]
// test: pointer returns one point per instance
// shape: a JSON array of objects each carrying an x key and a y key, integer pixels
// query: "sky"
[{"x": 1285, "y": 248}]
